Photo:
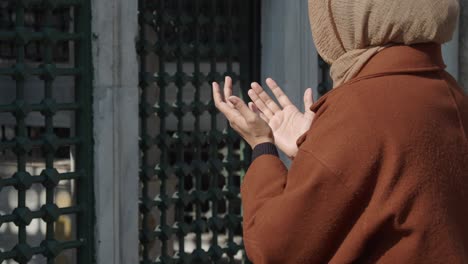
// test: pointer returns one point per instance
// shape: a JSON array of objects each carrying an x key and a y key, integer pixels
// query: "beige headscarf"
[{"x": 347, "y": 33}]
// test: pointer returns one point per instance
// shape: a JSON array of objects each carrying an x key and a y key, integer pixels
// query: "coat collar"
[
  {"x": 425, "y": 57},
  {"x": 403, "y": 59}
]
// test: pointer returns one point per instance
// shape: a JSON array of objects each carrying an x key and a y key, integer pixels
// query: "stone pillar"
[
  {"x": 116, "y": 157},
  {"x": 450, "y": 52},
  {"x": 288, "y": 52},
  {"x": 463, "y": 47}
]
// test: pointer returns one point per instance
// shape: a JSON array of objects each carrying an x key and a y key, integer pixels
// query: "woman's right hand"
[{"x": 286, "y": 122}]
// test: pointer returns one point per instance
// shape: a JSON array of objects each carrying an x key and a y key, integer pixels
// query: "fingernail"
[{"x": 233, "y": 100}]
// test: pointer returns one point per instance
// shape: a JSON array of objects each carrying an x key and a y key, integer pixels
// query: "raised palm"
[{"x": 286, "y": 122}]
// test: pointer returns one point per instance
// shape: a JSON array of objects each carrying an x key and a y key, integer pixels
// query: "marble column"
[
  {"x": 116, "y": 157},
  {"x": 463, "y": 47}
]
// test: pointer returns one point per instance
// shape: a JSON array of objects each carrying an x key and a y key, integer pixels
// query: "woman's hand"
[
  {"x": 242, "y": 119},
  {"x": 287, "y": 123}
]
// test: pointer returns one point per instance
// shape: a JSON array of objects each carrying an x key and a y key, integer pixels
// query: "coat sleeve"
[{"x": 302, "y": 215}]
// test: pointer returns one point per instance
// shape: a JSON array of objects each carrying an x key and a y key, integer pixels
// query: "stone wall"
[{"x": 463, "y": 53}]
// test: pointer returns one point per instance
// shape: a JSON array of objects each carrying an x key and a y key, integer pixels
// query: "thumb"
[
  {"x": 308, "y": 101},
  {"x": 242, "y": 107},
  {"x": 253, "y": 107}
]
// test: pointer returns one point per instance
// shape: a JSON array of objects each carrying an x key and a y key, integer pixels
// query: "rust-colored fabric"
[{"x": 380, "y": 177}]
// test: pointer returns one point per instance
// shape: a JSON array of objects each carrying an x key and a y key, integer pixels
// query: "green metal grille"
[
  {"x": 191, "y": 162},
  {"x": 45, "y": 51}
]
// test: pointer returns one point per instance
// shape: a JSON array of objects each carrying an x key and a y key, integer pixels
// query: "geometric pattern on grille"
[
  {"x": 191, "y": 161},
  {"x": 46, "y": 213}
]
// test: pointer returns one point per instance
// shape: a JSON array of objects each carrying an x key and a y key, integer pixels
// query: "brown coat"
[{"x": 380, "y": 177}]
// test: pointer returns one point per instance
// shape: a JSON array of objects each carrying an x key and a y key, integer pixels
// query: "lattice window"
[
  {"x": 192, "y": 164},
  {"x": 46, "y": 214}
]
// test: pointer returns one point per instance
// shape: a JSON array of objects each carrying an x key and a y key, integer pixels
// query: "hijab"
[{"x": 347, "y": 33}]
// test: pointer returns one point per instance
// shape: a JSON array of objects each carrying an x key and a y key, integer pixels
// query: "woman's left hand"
[{"x": 243, "y": 120}]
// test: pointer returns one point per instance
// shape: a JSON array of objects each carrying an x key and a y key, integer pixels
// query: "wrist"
[
  {"x": 266, "y": 148},
  {"x": 261, "y": 141}
]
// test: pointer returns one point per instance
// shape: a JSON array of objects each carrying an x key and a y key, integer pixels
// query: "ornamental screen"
[
  {"x": 191, "y": 162},
  {"x": 46, "y": 208}
]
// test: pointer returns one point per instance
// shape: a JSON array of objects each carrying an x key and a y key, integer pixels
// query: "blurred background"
[{"x": 111, "y": 150}]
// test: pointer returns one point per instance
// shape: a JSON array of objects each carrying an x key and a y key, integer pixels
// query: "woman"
[{"x": 381, "y": 174}]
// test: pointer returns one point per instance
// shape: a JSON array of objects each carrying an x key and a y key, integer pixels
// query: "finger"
[
  {"x": 270, "y": 104},
  {"x": 228, "y": 111},
  {"x": 279, "y": 94},
  {"x": 228, "y": 89},
  {"x": 255, "y": 109},
  {"x": 308, "y": 102},
  {"x": 260, "y": 104},
  {"x": 308, "y": 99},
  {"x": 218, "y": 99},
  {"x": 243, "y": 109}
]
